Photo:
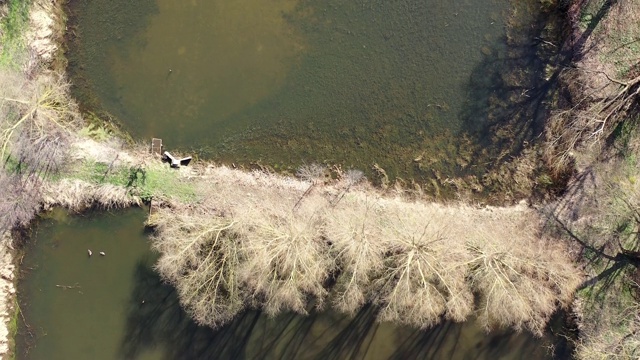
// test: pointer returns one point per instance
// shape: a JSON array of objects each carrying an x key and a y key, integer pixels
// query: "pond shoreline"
[{"x": 45, "y": 42}]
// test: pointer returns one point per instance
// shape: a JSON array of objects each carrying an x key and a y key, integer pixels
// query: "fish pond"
[
  {"x": 419, "y": 88},
  {"x": 413, "y": 86},
  {"x": 76, "y": 306}
]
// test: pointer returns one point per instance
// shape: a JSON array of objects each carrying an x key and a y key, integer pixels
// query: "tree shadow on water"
[
  {"x": 156, "y": 322},
  {"x": 512, "y": 90},
  {"x": 450, "y": 340}
]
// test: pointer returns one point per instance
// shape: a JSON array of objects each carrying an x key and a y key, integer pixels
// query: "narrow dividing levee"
[{"x": 257, "y": 239}]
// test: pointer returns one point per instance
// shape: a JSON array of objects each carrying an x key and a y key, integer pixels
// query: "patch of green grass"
[
  {"x": 95, "y": 132},
  {"x": 101, "y": 173},
  {"x": 12, "y": 30},
  {"x": 154, "y": 181},
  {"x": 103, "y": 127},
  {"x": 164, "y": 182},
  {"x": 544, "y": 180}
]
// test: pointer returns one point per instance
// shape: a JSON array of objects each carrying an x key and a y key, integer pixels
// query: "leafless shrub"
[
  {"x": 35, "y": 115},
  {"x": 20, "y": 199},
  {"x": 314, "y": 173},
  {"x": 353, "y": 177},
  {"x": 350, "y": 178},
  {"x": 359, "y": 248},
  {"x": 287, "y": 260},
  {"x": 425, "y": 273},
  {"x": 35, "y": 107},
  {"x": 42, "y": 154}
]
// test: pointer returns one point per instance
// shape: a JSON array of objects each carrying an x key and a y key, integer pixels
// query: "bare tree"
[
  {"x": 42, "y": 154},
  {"x": 200, "y": 257},
  {"x": 425, "y": 273},
  {"x": 286, "y": 259},
  {"x": 35, "y": 117},
  {"x": 20, "y": 200},
  {"x": 590, "y": 117},
  {"x": 359, "y": 249},
  {"x": 247, "y": 244},
  {"x": 38, "y": 106},
  {"x": 521, "y": 282}
]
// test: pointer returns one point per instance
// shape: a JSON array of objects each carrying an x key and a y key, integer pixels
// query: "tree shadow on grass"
[{"x": 592, "y": 24}]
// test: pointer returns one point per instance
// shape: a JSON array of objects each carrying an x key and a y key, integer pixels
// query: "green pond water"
[
  {"x": 287, "y": 82},
  {"x": 116, "y": 307}
]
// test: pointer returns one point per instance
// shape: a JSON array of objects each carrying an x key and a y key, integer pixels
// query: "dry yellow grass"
[{"x": 78, "y": 195}]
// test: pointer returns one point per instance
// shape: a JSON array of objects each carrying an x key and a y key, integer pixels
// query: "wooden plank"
[{"x": 156, "y": 146}]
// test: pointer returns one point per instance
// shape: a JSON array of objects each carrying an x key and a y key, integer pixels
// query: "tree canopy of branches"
[
  {"x": 35, "y": 118},
  {"x": 270, "y": 243}
]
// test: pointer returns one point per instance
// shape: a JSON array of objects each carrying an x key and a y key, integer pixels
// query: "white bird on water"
[
  {"x": 102, "y": 253},
  {"x": 89, "y": 252}
]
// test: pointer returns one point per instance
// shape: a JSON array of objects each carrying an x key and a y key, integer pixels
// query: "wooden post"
[
  {"x": 152, "y": 208},
  {"x": 156, "y": 146}
]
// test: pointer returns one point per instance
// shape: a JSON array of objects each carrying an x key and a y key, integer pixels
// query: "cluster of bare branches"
[
  {"x": 36, "y": 115},
  {"x": 285, "y": 255},
  {"x": 257, "y": 244},
  {"x": 520, "y": 286},
  {"x": 206, "y": 261},
  {"x": 357, "y": 245},
  {"x": 425, "y": 271},
  {"x": 591, "y": 116},
  {"x": 19, "y": 202}
]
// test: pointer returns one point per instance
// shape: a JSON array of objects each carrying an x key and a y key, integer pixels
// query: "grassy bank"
[
  {"x": 595, "y": 130},
  {"x": 12, "y": 32}
]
